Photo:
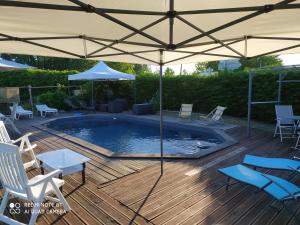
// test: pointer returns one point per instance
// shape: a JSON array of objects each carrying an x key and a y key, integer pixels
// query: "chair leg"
[
  {"x": 275, "y": 133},
  {"x": 227, "y": 183},
  {"x": 297, "y": 142},
  {"x": 4, "y": 202},
  {"x": 61, "y": 197},
  {"x": 280, "y": 133},
  {"x": 35, "y": 213}
]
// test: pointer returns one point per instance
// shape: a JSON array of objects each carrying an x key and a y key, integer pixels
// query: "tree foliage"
[
  {"x": 169, "y": 72},
  {"x": 262, "y": 61},
  {"x": 141, "y": 69},
  {"x": 203, "y": 66}
]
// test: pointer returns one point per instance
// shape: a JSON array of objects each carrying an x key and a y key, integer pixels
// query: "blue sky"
[{"x": 292, "y": 59}]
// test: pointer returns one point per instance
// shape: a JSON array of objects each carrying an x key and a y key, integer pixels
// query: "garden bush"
[{"x": 53, "y": 99}]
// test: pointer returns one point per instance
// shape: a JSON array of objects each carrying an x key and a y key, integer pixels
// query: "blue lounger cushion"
[
  {"x": 279, "y": 188},
  {"x": 272, "y": 163}
]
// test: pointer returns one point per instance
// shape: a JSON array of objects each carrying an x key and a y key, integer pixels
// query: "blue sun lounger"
[
  {"x": 272, "y": 163},
  {"x": 282, "y": 190}
]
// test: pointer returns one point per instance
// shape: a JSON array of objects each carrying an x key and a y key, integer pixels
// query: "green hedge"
[
  {"x": 36, "y": 77},
  {"x": 228, "y": 89},
  {"x": 33, "y": 77},
  {"x": 205, "y": 92}
]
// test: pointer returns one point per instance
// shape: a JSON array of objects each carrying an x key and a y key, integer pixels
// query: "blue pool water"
[{"x": 123, "y": 135}]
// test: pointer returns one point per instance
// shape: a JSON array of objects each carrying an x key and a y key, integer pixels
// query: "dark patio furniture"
[{"x": 142, "y": 109}]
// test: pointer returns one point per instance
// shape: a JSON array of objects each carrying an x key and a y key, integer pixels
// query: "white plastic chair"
[
  {"x": 215, "y": 115},
  {"x": 24, "y": 146},
  {"x": 186, "y": 111},
  {"x": 20, "y": 111},
  {"x": 16, "y": 184},
  {"x": 285, "y": 125},
  {"x": 44, "y": 109}
]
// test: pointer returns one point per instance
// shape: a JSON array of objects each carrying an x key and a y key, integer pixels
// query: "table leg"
[
  {"x": 42, "y": 168},
  {"x": 83, "y": 173},
  {"x": 60, "y": 177}
]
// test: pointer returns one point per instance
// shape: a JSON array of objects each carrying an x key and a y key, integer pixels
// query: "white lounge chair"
[
  {"x": 16, "y": 184},
  {"x": 44, "y": 109},
  {"x": 186, "y": 111},
  {"x": 20, "y": 111},
  {"x": 215, "y": 115},
  {"x": 24, "y": 146},
  {"x": 285, "y": 121},
  {"x": 9, "y": 119}
]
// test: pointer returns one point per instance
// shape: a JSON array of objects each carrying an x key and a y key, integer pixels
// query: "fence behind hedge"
[
  {"x": 205, "y": 92},
  {"x": 227, "y": 89}
]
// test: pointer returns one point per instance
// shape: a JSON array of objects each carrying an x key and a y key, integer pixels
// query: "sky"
[{"x": 291, "y": 59}]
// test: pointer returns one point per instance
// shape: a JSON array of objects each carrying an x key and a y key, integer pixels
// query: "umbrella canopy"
[
  {"x": 135, "y": 31},
  {"x": 9, "y": 65},
  {"x": 101, "y": 72}
]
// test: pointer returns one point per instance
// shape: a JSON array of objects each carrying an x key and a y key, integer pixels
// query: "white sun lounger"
[
  {"x": 44, "y": 109},
  {"x": 20, "y": 111}
]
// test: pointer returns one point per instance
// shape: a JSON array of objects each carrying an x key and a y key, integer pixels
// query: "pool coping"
[{"x": 229, "y": 141}]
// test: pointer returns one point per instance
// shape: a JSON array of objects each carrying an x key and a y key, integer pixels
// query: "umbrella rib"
[
  {"x": 276, "y": 51},
  {"x": 36, "y": 5},
  {"x": 129, "y": 35},
  {"x": 266, "y": 9},
  {"x": 120, "y": 50},
  {"x": 100, "y": 12},
  {"x": 202, "y": 52},
  {"x": 40, "y": 45},
  {"x": 210, "y": 36},
  {"x": 123, "y": 53},
  {"x": 233, "y": 10}
]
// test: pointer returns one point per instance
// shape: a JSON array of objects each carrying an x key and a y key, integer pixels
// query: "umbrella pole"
[
  {"x": 161, "y": 112},
  {"x": 92, "y": 93}
]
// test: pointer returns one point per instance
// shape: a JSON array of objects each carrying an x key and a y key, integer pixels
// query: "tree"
[
  {"x": 141, "y": 69},
  {"x": 169, "y": 72},
  {"x": 122, "y": 67},
  {"x": 203, "y": 66},
  {"x": 185, "y": 72},
  {"x": 200, "y": 67},
  {"x": 262, "y": 61}
]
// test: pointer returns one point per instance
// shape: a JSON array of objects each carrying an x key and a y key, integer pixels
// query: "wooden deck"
[{"x": 189, "y": 192}]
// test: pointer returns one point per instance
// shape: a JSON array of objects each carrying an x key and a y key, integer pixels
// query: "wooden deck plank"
[{"x": 129, "y": 191}]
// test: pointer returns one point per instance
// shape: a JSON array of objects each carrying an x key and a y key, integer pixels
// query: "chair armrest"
[
  {"x": 45, "y": 178},
  {"x": 29, "y": 148},
  {"x": 21, "y": 138}
]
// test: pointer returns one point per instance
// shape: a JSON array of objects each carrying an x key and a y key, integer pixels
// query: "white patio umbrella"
[
  {"x": 100, "y": 72},
  {"x": 159, "y": 32}
]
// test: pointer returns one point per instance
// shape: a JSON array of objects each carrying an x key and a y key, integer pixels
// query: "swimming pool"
[{"x": 125, "y": 135}]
